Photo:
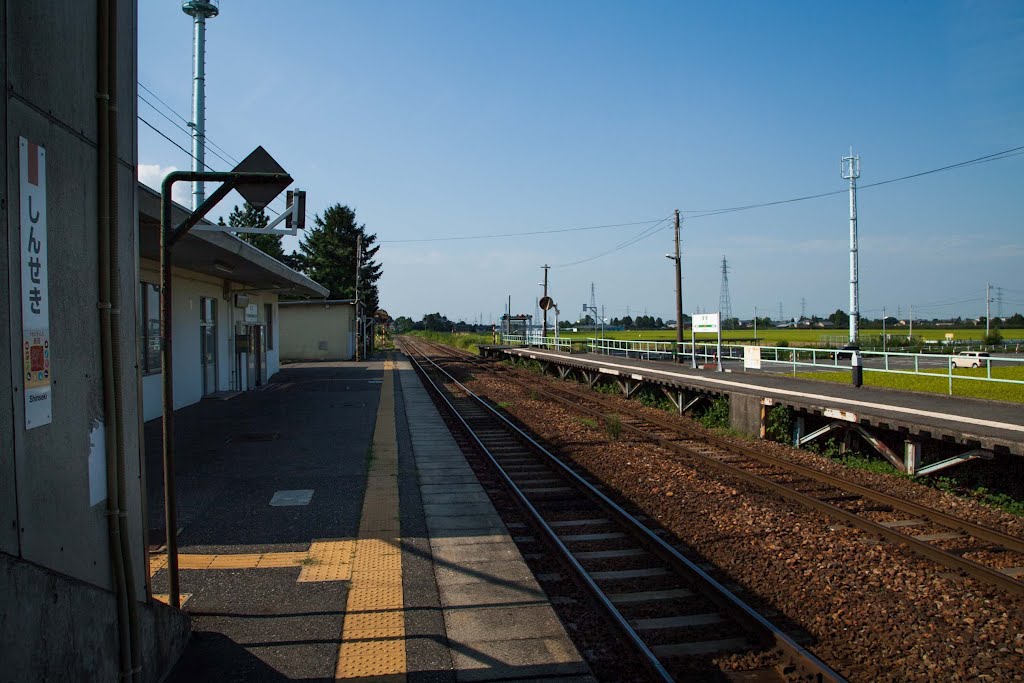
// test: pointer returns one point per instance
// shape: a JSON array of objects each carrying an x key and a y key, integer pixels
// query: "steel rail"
[
  {"x": 923, "y": 548},
  {"x": 969, "y": 567},
  {"x": 798, "y": 654},
  {"x": 623, "y": 624},
  {"x": 931, "y": 514}
]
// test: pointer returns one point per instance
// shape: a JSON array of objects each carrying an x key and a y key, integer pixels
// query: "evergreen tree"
[
  {"x": 327, "y": 254},
  {"x": 248, "y": 217}
]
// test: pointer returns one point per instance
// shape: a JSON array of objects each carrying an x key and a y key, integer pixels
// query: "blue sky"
[{"x": 457, "y": 119}]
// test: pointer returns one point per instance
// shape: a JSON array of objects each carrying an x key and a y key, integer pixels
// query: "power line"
[
  {"x": 520, "y": 234},
  {"x": 691, "y": 213},
  {"x": 169, "y": 107},
  {"x": 185, "y": 121},
  {"x": 946, "y": 304},
  {"x": 997, "y": 156},
  {"x": 190, "y": 155},
  {"x": 183, "y": 130},
  {"x": 165, "y": 137},
  {"x": 644, "y": 234}
]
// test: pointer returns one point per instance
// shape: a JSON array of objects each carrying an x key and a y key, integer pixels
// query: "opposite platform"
[{"x": 974, "y": 423}]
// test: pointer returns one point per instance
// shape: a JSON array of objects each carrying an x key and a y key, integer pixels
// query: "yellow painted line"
[{"x": 373, "y": 635}]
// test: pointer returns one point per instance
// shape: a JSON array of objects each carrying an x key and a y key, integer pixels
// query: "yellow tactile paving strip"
[
  {"x": 373, "y": 636},
  {"x": 326, "y": 560}
]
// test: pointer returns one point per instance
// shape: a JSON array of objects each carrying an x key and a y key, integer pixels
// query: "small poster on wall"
[{"x": 35, "y": 298}]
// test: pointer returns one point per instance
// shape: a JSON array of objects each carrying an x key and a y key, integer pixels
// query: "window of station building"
[
  {"x": 208, "y": 343},
  {"x": 149, "y": 316},
  {"x": 268, "y": 310}
]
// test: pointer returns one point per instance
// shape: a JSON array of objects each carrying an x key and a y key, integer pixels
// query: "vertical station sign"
[{"x": 35, "y": 296}]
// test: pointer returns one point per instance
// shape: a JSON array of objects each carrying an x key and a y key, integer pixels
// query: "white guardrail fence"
[{"x": 933, "y": 365}]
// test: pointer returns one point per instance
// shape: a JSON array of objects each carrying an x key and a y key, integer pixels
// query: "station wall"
[
  {"x": 189, "y": 289},
  {"x": 50, "y": 67},
  {"x": 57, "y": 607},
  {"x": 317, "y": 331}
]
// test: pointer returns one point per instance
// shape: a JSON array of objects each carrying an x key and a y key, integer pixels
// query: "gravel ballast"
[{"x": 871, "y": 609}]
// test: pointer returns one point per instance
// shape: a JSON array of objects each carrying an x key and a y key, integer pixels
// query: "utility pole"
[
  {"x": 679, "y": 287},
  {"x": 755, "y": 324},
  {"x": 780, "y": 313},
  {"x": 359, "y": 315},
  {"x": 724, "y": 301},
  {"x": 988, "y": 307},
  {"x": 849, "y": 169},
  {"x": 911, "y": 337},
  {"x": 883, "y": 329},
  {"x": 803, "y": 308},
  {"x": 545, "y": 333}
]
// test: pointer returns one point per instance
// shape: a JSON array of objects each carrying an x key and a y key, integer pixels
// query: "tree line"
[{"x": 326, "y": 253}]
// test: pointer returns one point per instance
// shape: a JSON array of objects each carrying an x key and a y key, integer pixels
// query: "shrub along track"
[{"x": 870, "y": 605}]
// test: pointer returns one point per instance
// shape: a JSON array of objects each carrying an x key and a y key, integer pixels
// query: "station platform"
[
  {"x": 971, "y": 423},
  {"x": 330, "y": 528}
]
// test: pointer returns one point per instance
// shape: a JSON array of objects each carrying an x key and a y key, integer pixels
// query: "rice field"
[{"x": 994, "y": 391}]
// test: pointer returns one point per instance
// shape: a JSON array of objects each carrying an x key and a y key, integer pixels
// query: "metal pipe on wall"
[
  {"x": 115, "y": 323},
  {"x": 104, "y": 41}
]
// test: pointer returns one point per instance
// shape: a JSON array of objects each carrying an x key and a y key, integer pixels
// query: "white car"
[{"x": 969, "y": 359}]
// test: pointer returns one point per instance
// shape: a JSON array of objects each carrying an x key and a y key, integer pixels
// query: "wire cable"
[
  {"x": 644, "y": 234},
  {"x": 520, "y": 234},
  {"x": 691, "y": 214},
  {"x": 165, "y": 137},
  {"x": 169, "y": 107},
  {"x": 183, "y": 130},
  {"x": 996, "y": 156}
]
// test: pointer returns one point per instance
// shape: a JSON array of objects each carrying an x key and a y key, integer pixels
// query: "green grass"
[
  {"x": 995, "y": 391},
  {"x": 462, "y": 340}
]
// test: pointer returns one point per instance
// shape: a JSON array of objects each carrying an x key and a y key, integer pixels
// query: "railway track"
[
  {"x": 931, "y": 533},
  {"x": 676, "y": 615}
]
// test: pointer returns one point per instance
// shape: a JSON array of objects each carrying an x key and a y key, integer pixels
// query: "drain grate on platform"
[{"x": 254, "y": 437}]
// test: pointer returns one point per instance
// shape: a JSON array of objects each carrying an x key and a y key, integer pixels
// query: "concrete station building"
[
  {"x": 318, "y": 330},
  {"x": 227, "y": 327}
]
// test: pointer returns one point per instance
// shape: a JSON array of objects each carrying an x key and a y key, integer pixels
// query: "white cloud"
[{"x": 153, "y": 174}]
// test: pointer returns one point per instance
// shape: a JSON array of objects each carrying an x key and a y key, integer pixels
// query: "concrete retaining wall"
[
  {"x": 745, "y": 414},
  {"x": 55, "y": 628}
]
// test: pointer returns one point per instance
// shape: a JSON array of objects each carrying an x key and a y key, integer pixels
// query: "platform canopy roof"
[{"x": 219, "y": 254}]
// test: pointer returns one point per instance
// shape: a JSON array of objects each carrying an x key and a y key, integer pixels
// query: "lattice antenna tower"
[
  {"x": 724, "y": 302},
  {"x": 999, "y": 302},
  {"x": 803, "y": 308},
  {"x": 593, "y": 297}
]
